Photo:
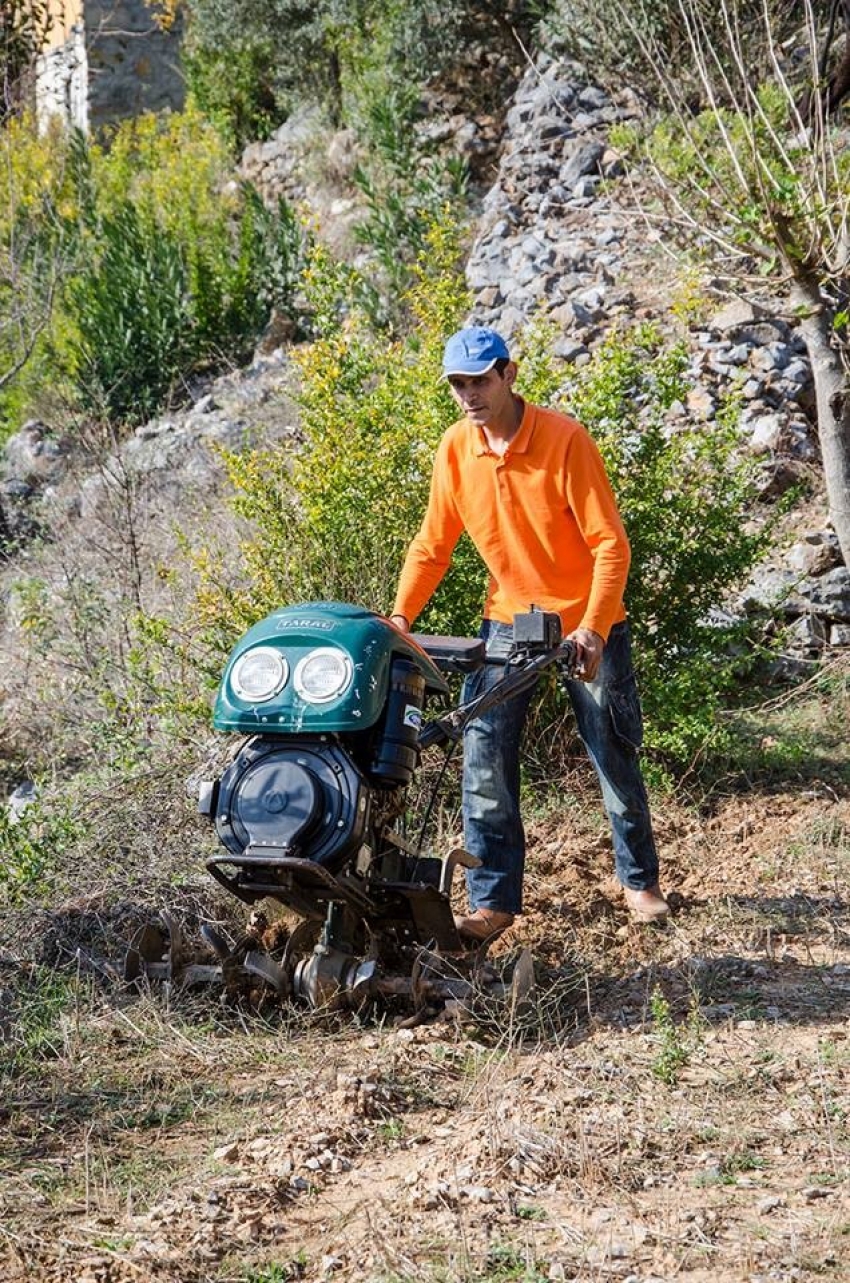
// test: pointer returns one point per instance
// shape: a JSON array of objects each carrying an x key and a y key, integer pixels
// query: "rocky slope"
[{"x": 559, "y": 235}]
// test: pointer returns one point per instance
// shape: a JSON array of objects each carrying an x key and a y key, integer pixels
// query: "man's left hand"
[{"x": 590, "y": 648}]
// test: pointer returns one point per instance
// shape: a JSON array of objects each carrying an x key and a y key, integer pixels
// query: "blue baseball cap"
[{"x": 474, "y": 350}]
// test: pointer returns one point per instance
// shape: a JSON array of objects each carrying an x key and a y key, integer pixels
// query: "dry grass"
[{"x": 604, "y": 1136}]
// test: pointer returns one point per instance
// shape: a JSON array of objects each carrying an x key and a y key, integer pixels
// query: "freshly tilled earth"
[{"x": 673, "y": 1103}]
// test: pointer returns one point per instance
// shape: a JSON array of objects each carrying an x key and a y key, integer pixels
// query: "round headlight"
[
  {"x": 259, "y": 674},
  {"x": 323, "y": 675}
]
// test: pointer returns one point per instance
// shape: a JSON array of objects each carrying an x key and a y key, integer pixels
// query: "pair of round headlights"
[{"x": 320, "y": 676}]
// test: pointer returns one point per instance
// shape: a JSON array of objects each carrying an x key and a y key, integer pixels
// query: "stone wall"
[
  {"x": 115, "y": 63},
  {"x": 61, "y": 80}
]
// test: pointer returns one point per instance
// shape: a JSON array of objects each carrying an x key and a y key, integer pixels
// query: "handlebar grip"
[{"x": 567, "y": 657}]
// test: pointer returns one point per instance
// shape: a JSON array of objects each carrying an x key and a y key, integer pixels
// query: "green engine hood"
[{"x": 369, "y": 641}]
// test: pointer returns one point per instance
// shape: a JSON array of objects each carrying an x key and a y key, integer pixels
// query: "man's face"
[{"x": 483, "y": 398}]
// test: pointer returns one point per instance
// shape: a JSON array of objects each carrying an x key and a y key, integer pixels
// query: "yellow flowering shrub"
[
  {"x": 174, "y": 167},
  {"x": 334, "y": 522}
]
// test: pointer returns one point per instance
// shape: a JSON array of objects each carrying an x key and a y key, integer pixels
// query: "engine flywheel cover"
[
  {"x": 299, "y": 793},
  {"x": 277, "y": 802}
]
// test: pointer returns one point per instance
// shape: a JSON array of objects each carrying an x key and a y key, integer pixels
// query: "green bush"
[
  {"x": 336, "y": 521},
  {"x": 32, "y": 848},
  {"x": 134, "y": 320},
  {"x": 234, "y": 87},
  {"x": 37, "y": 252},
  {"x": 150, "y": 307},
  {"x": 331, "y": 46},
  {"x": 404, "y": 186},
  {"x": 136, "y": 263},
  {"x": 365, "y": 64}
]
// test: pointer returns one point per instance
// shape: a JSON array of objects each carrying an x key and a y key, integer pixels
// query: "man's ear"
[{"x": 510, "y": 373}]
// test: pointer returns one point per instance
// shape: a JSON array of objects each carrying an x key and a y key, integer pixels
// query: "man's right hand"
[{"x": 401, "y": 623}]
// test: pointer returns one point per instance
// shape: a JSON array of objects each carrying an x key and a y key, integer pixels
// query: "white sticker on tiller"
[{"x": 412, "y": 716}]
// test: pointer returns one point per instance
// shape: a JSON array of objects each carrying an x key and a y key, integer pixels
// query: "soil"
[{"x": 673, "y": 1103}]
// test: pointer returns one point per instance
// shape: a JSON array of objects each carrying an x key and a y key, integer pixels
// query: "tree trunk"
[
  {"x": 832, "y": 395},
  {"x": 5, "y": 535}
]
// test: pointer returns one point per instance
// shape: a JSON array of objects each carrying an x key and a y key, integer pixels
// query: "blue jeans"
[{"x": 609, "y": 721}]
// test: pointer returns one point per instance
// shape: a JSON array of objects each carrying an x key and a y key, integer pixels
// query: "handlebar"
[{"x": 522, "y": 670}]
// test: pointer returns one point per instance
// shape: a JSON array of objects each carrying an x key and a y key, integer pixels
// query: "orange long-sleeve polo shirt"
[{"x": 542, "y": 516}]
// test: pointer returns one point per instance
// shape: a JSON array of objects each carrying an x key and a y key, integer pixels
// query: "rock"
[
  {"x": 342, "y": 154},
  {"x": 593, "y": 98},
  {"x": 738, "y": 354},
  {"x": 839, "y": 635},
  {"x": 771, "y": 356},
  {"x": 33, "y": 457},
  {"x": 569, "y": 350},
  {"x": 797, "y": 372},
  {"x": 22, "y": 797},
  {"x": 814, "y": 554},
  {"x": 767, "y": 433},
  {"x": 808, "y": 633},
  {"x": 701, "y": 403},
  {"x": 774, "y": 589},
  {"x": 586, "y": 314},
  {"x": 226, "y": 1153},
  {"x": 830, "y": 593},
  {"x": 776, "y": 477},
  {"x": 733, "y": 316},
  {"x": 17, "y": 489}
]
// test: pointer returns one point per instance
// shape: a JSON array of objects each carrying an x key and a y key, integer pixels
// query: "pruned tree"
[{"x": 756, "y": 178}]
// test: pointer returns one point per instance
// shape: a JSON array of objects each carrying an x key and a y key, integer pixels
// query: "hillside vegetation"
[{"x": 216, "y": 399}]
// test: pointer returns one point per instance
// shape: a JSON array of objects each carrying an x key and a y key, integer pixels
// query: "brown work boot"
[
  {"x": 647, "y": 905},
  {"x": 483, "y": 924}
]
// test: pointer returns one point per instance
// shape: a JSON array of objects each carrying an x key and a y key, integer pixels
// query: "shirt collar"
[{"x": 521, "y": 442}]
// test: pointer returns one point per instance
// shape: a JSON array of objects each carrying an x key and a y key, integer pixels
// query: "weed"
[
  {"x": 505, "y": 1263},
  {"x": 114, "y": 1244},
  {"x": 530, "y": 1212},
  {"x": 276, "y": 1272},
  {"x": 32, "y": 845},
  {"x": 40, "y": 1004},
  {"x": 676, "y": 1043},
  {"x": 741, "y": 1161},
  {"x": 392, "y": 1130}
]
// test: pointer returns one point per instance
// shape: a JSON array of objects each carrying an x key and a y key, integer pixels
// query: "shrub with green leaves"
[
  {"x": 624, "y": 41},
  {"x": 151, "y": 307},
  {"x": 143, "y": 260},
  {"x": 335, "y": 522},
  {"x": 685, "y": 492},
  {"x": 134, "y": 320},
  {"x": 32, "y": 846},
  {"x": 404, "y": 185},
  {"x": 37, "y": 253},
  {"x": 365, "y": 65},
  {"x": 330, "y": 45}
]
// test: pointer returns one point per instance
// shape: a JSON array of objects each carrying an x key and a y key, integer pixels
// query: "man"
[{"x": 529, "y": 486}]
